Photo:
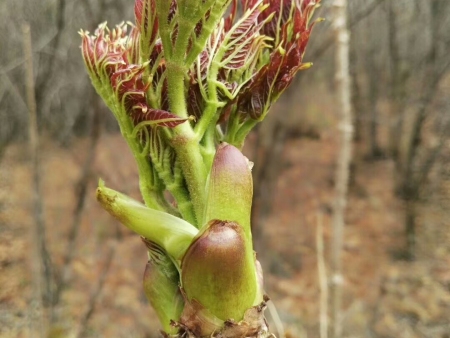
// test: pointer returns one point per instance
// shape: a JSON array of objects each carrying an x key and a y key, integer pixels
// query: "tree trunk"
[
  {"x": 414, "y": 170},
  {"x": 373, "y": 72},
  {"x": 356, "y": 94},
  {"x": 42, "y": 265},
  {"x": 410, "y": 229},
  {"x": 396, "y": 110},
  {"x": 343, "y": 162}
]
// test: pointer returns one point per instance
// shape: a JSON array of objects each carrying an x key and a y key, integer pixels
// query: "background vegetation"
[{"x": 397, "y": 239}]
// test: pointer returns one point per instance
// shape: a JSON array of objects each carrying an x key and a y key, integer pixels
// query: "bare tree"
[
  {"x": 57, "y": 62},
  {"x": 414, "y": 164},
  {"x": 401, "y": 59},
  {"x": 372, "y": 64},
  {"x": 342, "y": 36},
  {"x": 42, "y": 262},
  {"x": 397, "y": 80}
]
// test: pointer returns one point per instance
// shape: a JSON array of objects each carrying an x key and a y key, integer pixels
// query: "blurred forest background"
[{"x": 396, "y": 259}]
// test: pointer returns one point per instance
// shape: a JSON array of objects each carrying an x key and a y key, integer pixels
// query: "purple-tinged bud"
[
  {"x": 218, "y": 271},
  {"x": 230, "y": 188}
]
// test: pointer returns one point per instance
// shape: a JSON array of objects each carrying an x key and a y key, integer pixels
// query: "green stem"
[
  {"x": 183, "y": 201},
  {"x": 183, "y": 141},
  {"x": 149, "y": 191},
  {"x": 232, "y": 126},
  {"x": 215, "y": 14},
  {"x": 205, "y": 121},
  {"x": 174, "y": 184},
  {"x": 162, "y": 11},
  {"x": 209, "y": 146},
  {"x": 212, "y": 102},
  {"x": 243, "y": 131},
  {"x": 146, "y": 184},
  {"x": 176, "y": 91},
  {"x": 192, "y": 164}
]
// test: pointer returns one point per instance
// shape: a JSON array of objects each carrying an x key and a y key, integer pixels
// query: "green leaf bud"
[
  {"x": 161, "y": 287},
  {"x": 171, "y": 233}
]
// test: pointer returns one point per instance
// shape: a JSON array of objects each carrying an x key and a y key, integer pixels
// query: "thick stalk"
[
  {"x": 189, "y": 155},
  {"x": 184, "y": 141},
  {"x": 243, "y": 132},
  {"x": 209, "y": 146}
]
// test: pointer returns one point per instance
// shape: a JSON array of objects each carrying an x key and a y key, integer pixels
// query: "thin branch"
[
  {"x": 330, "y": 41},
  {"x": 82, "y": 187},
  {"x": 45, "y": 41},
  {"x": 323, "y": 279},
  {"x": 47, "y": 72},
  {"x": 415, "y": 139},
  {"x": 14, "y": 90},
  {"x": 41, "y": 257},
  {"x": 83, "y": 326},
  {"x": 432, "y": 157},
  {"x": 437, "y": 71},
  {"x": 365, "y": 13},
  {"x": 276, "y": 319},
  {"x": 397, "y": 88}
]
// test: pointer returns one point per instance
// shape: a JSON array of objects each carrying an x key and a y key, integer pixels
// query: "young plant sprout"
[{"x": 187, "y": 83}]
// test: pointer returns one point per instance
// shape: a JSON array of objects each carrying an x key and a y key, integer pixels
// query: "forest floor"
[{"x": 384, "y": 296}]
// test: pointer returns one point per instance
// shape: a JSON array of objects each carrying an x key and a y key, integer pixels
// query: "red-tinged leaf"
[
  {"x": 306, "y": 3},
  {"x": 87, "y": 51},
  {"x": 226, "y": 112},
  {"x": 123, "y": 78},
  {"x": 146, "y": 19},
  {"x": 231, "y": 17},
  {"x": 286, "y": 58},
  {"x": 257, "y": 94},
  {"x": 158, "y": 117},
  {"x": 240, "y": 39},
  {"x": 106, "y": 51},
  {"x": 173, "y": 10},
  {"x": 195, "y": 100},
  {"x": 131, "y": 56},
  {"x": 246, "y": 4},
  {"x": 255, "y": 105},
  {"x": 138, "y": 112},
  {"x": 164, "y": 99},
  {"x": 138, "y": 12},
  {"x": 281, "y": 10}
]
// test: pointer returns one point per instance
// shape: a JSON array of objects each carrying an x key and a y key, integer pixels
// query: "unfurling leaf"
[
  {"x": 146, "y": 20},
  {"x": 161, "y": 281},
  {"x": 171, "y": 233},
  {"x": 157, "y": 117}
]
